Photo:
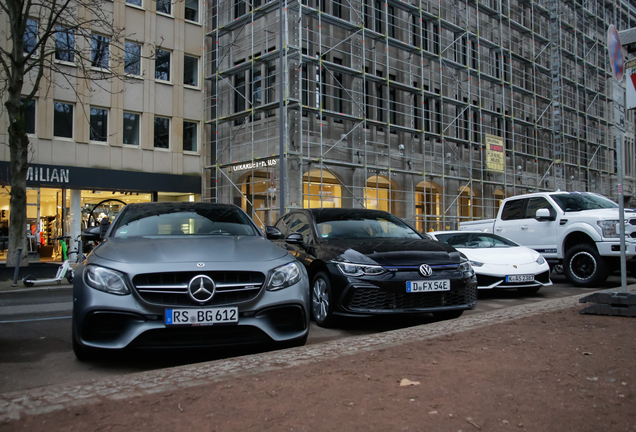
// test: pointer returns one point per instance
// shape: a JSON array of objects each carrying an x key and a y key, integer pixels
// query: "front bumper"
[
  {"x": 613, "y": 248},
  {"x": 107, "y": 321},
  {"x": 386, "y": 294}
]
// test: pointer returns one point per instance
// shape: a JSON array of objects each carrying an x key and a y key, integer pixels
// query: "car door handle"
[
  {"x": 498, "y": 229},
  {"x": 524, "y": 227}
]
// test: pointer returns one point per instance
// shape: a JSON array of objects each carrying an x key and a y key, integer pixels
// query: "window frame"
[
  {"x": 90, "y": 124},
  {"x": 28, "y": 32},
  {"x": 169, "y": 80},
  {"x": 196, "y": 136},
  {"x": 164, "y": 2},
  {"x": 93, "y": 41},
  {"x": 61, "y": 30},
  {"x": 185, "y": 6},
  {"x": 154, "y": 133},
  {"x": 196, "y": 69},
  {"x": 72, "y": 116},
  {"x": 126, "y": 52},
  {"x": 35, "y": 118},
  {"x": 138, "y": 145},
  {"x": 140, "y": 6}
]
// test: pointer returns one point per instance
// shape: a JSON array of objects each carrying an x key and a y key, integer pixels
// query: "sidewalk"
[{"x": 539, "y": 367}]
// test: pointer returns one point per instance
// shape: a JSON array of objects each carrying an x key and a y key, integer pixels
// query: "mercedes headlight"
[
  {"x": 609, "y": 228},
  {"x": 476, "y": 263},
  {"x": 107, "y": 280},
  {"x": 284, "y": 276},
  {"x": 540, "y": 260},
  {"x": 349, "y": 269}
]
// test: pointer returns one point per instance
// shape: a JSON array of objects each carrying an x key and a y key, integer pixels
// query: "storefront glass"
[
  {"x": 321, "y": 191},
  {"x": 258, "y": 197},
  {"x": 428, "y": 198},
  {"x": 377, "y": 194}
]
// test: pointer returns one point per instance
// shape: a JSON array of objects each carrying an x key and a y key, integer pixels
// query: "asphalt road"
[{"x": 35, "y": 336}]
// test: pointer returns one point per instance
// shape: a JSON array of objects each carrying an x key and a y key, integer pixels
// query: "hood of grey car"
[{"x": 173, "y": 249}]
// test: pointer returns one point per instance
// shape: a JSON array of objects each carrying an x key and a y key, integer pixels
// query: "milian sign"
[
  {"x": 48, "y": 175},
  {"x": 254, "y": 165}
]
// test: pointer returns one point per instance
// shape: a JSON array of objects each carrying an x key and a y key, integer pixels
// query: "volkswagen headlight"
[
  {"x": 349, "y": 269},
  {"x": 540, "y": 260},
  {"x": 107, "y": 280},
  {"x": 284, "y": 276},
  {"x": 609, "y": 228},
  {"x": 464, "y": 266}
]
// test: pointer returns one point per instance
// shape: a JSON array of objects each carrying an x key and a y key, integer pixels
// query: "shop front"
[{"x": 64, "y": 200}]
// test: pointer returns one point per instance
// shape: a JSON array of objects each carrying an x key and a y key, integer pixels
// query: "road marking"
[
  {"x": 13, "y": 405},
  {"x": 36, "y": 319}
]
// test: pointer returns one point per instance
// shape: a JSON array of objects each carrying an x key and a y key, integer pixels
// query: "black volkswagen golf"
[{"x": 368, "y": 262}]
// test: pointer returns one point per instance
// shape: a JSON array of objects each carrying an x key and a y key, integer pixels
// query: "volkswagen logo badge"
[
  {"x": 201, "y": 288},
  {"x": 200, "y": 264},
  {"x": 426, "y": 270}
]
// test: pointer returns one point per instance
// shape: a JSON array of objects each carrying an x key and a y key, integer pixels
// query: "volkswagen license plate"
[
  {"x": 424, "y": 286},
  {"x": 520, "y": 278},
  {"x": 201, "y": 316}
]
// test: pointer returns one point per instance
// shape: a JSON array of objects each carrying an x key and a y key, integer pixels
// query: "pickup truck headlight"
[
  {"x": 609, "y": 228},
  {"x": 349, "y": 269}
]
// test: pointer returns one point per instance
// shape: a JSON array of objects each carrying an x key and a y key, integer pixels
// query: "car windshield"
[
  {"x": 582, "y": 201},
  {"x": 475, "y": 240},
  {"x": 364, "y": 226},
  {"x": 170, "y": 219}
]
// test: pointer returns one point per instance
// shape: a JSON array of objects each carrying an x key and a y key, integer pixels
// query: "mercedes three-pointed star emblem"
[{"x": 201, "y": 288}]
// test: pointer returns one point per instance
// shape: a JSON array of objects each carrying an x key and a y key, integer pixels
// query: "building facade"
[
  {"x": 134, "y": 136},
  {"x": 434, "y": 111}
]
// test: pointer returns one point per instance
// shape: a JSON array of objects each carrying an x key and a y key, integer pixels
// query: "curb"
[{"x": 42, "y": 400}]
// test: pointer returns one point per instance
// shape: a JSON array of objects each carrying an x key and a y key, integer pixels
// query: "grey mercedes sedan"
[{"x": 185, "y": 275}]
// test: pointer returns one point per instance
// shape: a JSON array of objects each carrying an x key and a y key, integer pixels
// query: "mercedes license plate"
[
  {"x": 424, "y": 286},
  {"x": 201, "y": 316},
  {"x": 520, "y": 278}
]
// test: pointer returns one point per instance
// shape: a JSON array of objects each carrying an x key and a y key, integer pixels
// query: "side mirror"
[
  {"x": 92, "y": 234},
  {"x": 272, "y": 233},
  {"x": 294, "y": 238},
  {"x": 544, "y": 215}
]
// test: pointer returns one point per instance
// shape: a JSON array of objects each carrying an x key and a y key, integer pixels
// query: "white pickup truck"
[{"x": 579, "y": 230}]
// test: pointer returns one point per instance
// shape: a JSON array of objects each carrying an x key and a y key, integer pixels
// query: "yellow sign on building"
[{"x": 495, "y": 154}]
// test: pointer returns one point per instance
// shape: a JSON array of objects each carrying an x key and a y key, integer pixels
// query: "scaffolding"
[{"x": 387, "y": 104}]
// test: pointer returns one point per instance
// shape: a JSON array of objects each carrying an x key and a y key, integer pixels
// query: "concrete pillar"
[{"x": 75, "y": 216}]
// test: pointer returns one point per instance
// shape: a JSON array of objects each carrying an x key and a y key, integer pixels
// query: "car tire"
[
  {"x": 447, "y": 315},
  {"x": 82, "y": 352},
  {"x": 584, "y": 267},
  {"x": 532, "y": 290},
  {"x": 557, "y": 268},
  {"x": 29, "y": 280},
  {"x": 321, "y": 300}
]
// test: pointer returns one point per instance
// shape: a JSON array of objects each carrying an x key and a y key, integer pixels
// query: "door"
[
  {"x": 509, "y": 225},
  {"x": 539, "y": 235}
]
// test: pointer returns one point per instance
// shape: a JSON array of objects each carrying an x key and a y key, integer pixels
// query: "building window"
[
  {"x": 164, "y": 7},
  {"x": 131, "y": 128},
  {"x": 132, "y": 59},
  {"x": 190, "y": 71},
  {"x": 162, "y": 65},
  {"x": 30, "y": 38},
  {"x": 336, "y": 7},
  {"x": 192, "y": 10},
  {"x": 134, "y": 2},
  {"x": 239, "y": 8},
  {"x": 99, "y": 124},
  {"x": 29, "y": 116},
  {"x": 256, "y": 92},
  {"x": 62, "y": 120},
  {"x": 378, "y": 16},
  {"x": 391, "y": 19},
  {"x": 64, "y": 44},
  {"x": 189, "y": 136},
  {"x": 99, "y": 52},
  {"x": 271, "y": 85},
  {"x": 162, "y": 132}
]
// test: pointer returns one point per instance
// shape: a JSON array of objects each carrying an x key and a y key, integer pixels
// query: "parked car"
[
  {"x": 578, "y": 230},
  {"x": 184, "y": 274},
  {"x": 498, "y": 261},
  {"x": 367, "y": 262}
]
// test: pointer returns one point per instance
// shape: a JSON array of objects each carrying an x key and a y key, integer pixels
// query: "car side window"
[
  {"x": 537, "y": 203},
  {"x": 300, "y": 224},
  {"x": 514, "y": 209}
]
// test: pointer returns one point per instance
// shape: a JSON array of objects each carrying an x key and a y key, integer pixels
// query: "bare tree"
[{"x": 45, "y": 43}]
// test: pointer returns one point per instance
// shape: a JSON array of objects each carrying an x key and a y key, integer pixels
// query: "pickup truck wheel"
[{"x": 584, "y": 267}]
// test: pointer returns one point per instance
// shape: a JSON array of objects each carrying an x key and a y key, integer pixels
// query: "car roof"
[{"x": 345, "y": 213}]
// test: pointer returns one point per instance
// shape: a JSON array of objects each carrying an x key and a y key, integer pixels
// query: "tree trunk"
[{"x": 18, "y": 145}]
